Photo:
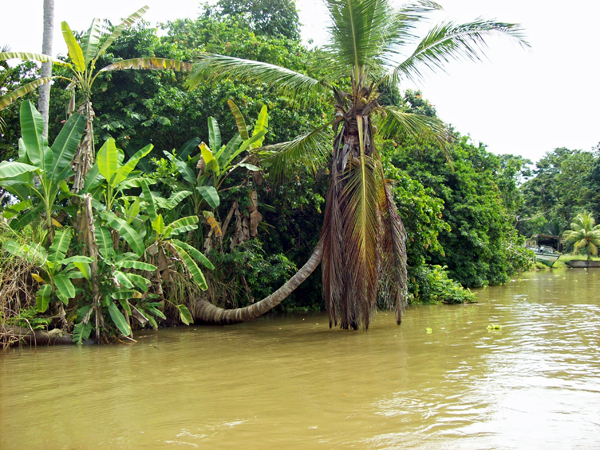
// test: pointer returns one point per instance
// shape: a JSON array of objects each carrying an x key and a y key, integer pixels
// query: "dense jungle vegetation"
[{"x": 188, "y": 200}]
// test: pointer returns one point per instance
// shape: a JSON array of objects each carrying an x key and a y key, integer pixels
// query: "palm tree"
[
  {"x": 363, "y": 239},
  {"x": 584, "y": 233}
]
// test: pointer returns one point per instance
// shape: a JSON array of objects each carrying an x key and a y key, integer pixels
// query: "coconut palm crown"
[
  {"x": 584, "y": 233},
  {"x": 363, "y": 238}
]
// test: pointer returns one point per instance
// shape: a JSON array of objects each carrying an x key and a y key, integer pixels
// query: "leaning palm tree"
[
  {"x": 584, "y": 234},
  {"x": 363, "y": 241}
]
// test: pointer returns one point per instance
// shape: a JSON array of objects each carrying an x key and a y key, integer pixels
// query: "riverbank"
[{"x": 561, "y": 263}]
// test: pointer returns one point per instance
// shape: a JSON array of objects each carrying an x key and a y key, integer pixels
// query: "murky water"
[{"x": 290, "y": 382}]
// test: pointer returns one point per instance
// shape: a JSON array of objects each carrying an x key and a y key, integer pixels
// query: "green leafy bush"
[
  {"x": 247, "y": 274},
  {"x": 431, "y": 284}
]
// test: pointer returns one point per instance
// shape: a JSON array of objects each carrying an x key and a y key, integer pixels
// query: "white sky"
[{"x": 525, "y": 102}]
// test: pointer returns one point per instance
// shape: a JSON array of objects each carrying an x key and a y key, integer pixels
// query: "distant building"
[{"x": 546, "y": 240}]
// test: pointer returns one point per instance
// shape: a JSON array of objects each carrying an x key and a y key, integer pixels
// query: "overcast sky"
[{"x": 525, "y": 102}]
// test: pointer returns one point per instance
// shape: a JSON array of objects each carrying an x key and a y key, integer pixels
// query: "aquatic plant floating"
[{"x": 428, "y": 330}]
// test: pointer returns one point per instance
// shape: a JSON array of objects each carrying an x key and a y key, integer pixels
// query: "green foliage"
[
  {"x": 421, "y": 213},
  {"x": 247, "y": 274},
  {"x": 28, "y": 318},
  {"x": 431, "y": 284},
  {"x": 481, "y": 246},
  {"x": 109, "y": 176},
  {"x": 137, "y": 107},
  {"x": 38, "y": 178},
  {"x": 12, "y": 78},
  {"x": 269, "y": 17},
  {"x": 561, "y": 187},
  {"x": 591, "y": 181},
  {"x": 83, "y": 58},
  {"x": 146, "y": 225},
  {"x": 56, "y": 270}
]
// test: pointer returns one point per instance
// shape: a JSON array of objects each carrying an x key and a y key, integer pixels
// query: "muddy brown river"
[{"x": 442, "y": 380}]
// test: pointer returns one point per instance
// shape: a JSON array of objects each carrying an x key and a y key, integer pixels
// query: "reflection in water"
[{"x": 290, "y": 382}]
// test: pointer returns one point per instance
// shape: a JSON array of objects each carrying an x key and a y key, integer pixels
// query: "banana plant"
[
  {"x": 84, "y": 56},
  {"x": 110, "y": 175},
  {"x": 206, "y": 172},
  {"x": 125, "y": 294},
  {"x": 56, "y": 270},
  {"x": 106, "y": 181},
  {"x": 162, "y": 242},
  {"x": 119, "y": 285},
  {"x": 38, "y": 178}
]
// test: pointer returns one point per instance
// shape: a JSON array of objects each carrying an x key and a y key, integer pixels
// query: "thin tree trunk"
[
  {"x": 205, "y": 312},
  {"x": 85, "y": 155},
  {"x": 44, "y": 100},
  {"x": 89, "y": 238}
]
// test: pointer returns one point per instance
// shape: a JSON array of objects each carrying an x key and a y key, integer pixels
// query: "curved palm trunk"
[{"x": 205, "y": 312}]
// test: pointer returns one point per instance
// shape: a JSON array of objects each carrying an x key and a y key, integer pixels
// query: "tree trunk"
[
  {"x": 587, "y": 249},
  {"x": 85, "y": 154},
  {"x": 44, "y": 100},
  {"x": 205, "y": 312},
  {"x": 88, "y": 228}
]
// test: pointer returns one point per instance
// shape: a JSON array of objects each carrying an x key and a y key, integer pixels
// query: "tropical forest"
[{"x": 214, "y": 200}]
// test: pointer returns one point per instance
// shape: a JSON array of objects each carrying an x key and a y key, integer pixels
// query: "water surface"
[{"x": 291, "y": 382}]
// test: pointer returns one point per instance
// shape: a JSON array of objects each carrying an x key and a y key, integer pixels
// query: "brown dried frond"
[{"x": 393, "y": 255}]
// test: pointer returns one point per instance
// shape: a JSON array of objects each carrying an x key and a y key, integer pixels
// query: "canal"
[{"x": 444, "y": 379}]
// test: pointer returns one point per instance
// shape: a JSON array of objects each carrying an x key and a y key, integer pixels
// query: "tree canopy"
[{"x": 363, "y": 237}]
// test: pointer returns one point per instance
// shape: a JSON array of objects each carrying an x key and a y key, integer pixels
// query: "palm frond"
[
  {"x": 398, "y": 123},
  {"x": 449, "y": 41},
  {"x": 149, "y": 64},
  {"x": 399, "y": 32},
  {"x": 212, "y": 67},
  {"x": 333, "y": 262},
  {"x": 392, "y": 249},
  {"x": 309, "y": 150},
  {"x": 357, "y": 30}
]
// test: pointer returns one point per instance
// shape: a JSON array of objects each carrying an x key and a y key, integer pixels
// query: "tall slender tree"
[
  {"x": 363, "y": 242},
  {"x": 47, "y": 41}
]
